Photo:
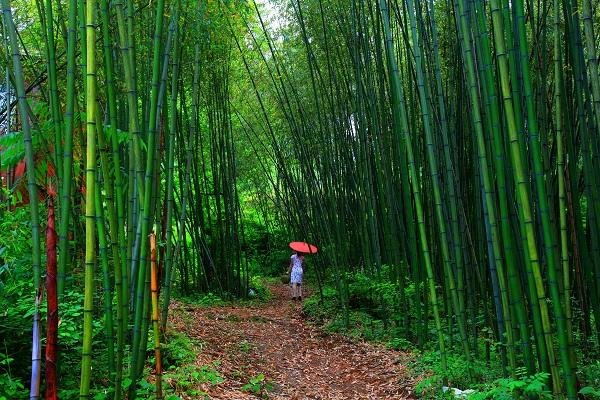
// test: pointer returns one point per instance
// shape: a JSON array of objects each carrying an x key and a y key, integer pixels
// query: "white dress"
[{"x": 297, "y": 270}]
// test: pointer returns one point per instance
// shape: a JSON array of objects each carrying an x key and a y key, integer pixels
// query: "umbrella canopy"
[{"x": 304, "y": 247}]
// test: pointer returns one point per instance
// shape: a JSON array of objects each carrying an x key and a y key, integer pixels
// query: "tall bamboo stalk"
[
  {"x": 401, "y": 130},
  {"x": 169, "y": 255},
  {"x": 90, "y": 182},
  {"x": 155, "y": 313},
  {"x": 521, "y": 186},
  {"x": 143, "y": 272},
  {"x": 65, "y": 188},
  {"x": 52, "y": 300}
]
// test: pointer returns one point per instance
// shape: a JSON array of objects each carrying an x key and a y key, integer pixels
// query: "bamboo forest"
[{"x": 300, "y": 199}]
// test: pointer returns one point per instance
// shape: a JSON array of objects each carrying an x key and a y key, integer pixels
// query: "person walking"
[{"x": 296, "y": 271}]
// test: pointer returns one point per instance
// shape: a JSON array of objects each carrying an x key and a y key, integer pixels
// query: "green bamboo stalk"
[
  {"x": 582, "y": 124},
  {"x": 561, "y": 166},
  {"x": 82, "y": 43},
  {"x": 52, "y": 78},
  {"x": 487, "y": 183},
  {"x": 548, "y": 240},
  {"x": 592, "y": 64},
  {"x": 450, "y": 170},
  {"x": 143, "y": 271},
  {"x": 521, "y": 185},
  {"x": 171, "y": 173},
  {"x": 127, "y": 48},
  {"x": 437, "y": 193},
  {"x": 107, "y": 184},
  {"x": 90, "y": 179},
  {"x": 401, "y": 131},
  {"x": 65, "y": 192},
  {"x": 116, "y": 222},
  {"x": 592, "y": 57},
  {"x": 510, "y": 258},
  {"x": 103, "y": 250}
]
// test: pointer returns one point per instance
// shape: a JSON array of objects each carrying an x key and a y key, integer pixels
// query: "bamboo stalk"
[
  {"x": 52, "y": 300},
  {"x": 90, "y": 180},
  {"x": 155, "y": 313}
]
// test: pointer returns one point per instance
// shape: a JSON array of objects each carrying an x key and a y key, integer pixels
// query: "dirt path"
[{"x": 300, "y": 361}]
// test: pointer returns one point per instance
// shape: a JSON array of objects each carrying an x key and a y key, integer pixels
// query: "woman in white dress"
[{"x": 296, "y": 271}]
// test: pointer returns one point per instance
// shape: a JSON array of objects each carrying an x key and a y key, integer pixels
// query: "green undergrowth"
[
  {"x": 258, "y": 386},
  {"x": 373, "y": 316},
  {"x": 372, "y": 310},
  {"x": 258, "y": 292},
  {"x": 182, "y": 376}
]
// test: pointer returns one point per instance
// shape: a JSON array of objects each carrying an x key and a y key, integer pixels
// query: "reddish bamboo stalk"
[
  {"x": 154, "y": 289},
  {"x": 52, "y": 301}
]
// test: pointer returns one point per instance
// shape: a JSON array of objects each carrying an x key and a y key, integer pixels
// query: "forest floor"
[{"x": 288, "y": 357}]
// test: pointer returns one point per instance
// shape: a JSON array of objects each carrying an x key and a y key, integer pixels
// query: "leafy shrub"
[
  {"x": 204, "y": 300},
  {"x": 429, "y": 364},
  {"x": 180, "y": 375},
  {"x": 590, "y": 374},
  {"x": 260, "y": 289},
  {"x": 590, "y": 393},
  {"x": 258, "y": 386},
  {"x": 398, "y": 343},
  {"x": 16, "y": 301},
  {"x": 187, "y": 379},
  {"x": 177, "y": 349},
  {"x": 372, "y": 309},
  {"x": 523, "y": 388},
  {"x": 16, "y": 309},
  {"x": 378, "y": 297},
  {"x": 10, "y": 388},
  {"x": 486, "y": 382},
  {"x": 319, "y": 311}
]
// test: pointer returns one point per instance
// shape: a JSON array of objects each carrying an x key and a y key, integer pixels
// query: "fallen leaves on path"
[{"x": 299, "y": 361}]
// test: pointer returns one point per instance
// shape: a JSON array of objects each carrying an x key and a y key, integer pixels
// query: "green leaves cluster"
[{"x": 259, "y": 386}]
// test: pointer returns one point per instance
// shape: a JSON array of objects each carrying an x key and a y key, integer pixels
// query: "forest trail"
[{"x": 301, "y": 361}]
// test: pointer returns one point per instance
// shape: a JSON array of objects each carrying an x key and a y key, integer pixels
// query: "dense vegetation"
[{"x": 441, "y": 154}]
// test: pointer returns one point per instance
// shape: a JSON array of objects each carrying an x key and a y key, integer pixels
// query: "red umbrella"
[{"x": 304, "y": 247}]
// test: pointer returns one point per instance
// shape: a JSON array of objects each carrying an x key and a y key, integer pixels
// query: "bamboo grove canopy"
[{"x": 450, "y": 147}]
